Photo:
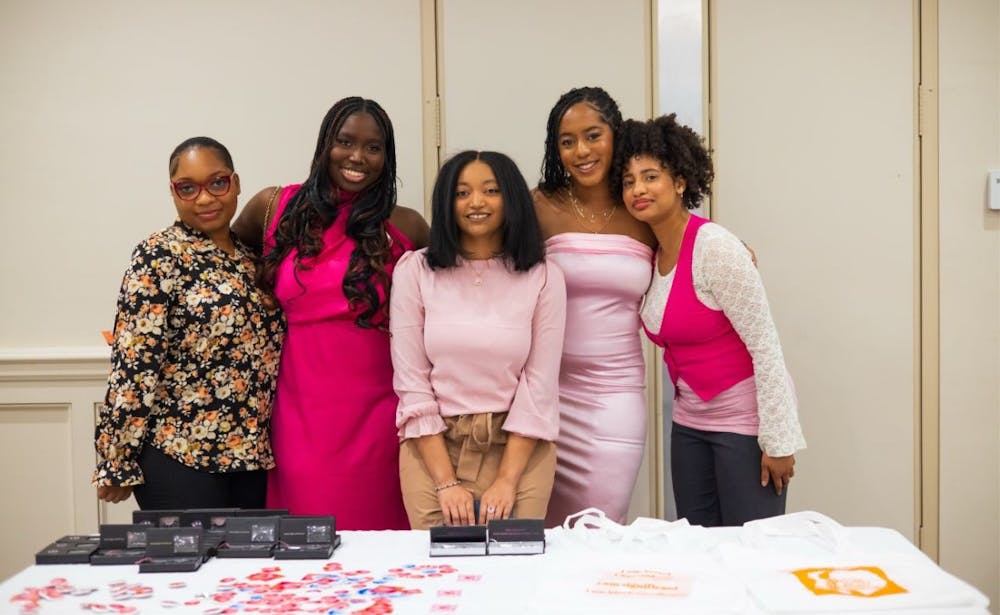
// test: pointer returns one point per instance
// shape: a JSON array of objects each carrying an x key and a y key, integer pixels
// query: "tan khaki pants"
[{"x": 475, "y": 444}]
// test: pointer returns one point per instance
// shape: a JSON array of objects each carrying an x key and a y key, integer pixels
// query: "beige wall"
[
  {"x": 813, "y": 123},
  {"x": 970, "y": 293},
  {"x": 97, "y": 94}
]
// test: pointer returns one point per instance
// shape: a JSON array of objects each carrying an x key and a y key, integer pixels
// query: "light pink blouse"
[{"x": 476, "y": 338}]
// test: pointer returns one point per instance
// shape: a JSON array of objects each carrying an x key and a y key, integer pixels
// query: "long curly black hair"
[
  {"x": 316, "y": 205},
  {"x": 678, "y": 148},
  {"x": 554, "y": 177}
]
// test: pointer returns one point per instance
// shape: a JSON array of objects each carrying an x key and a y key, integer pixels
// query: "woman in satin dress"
[{"x": 606, "y": 256}]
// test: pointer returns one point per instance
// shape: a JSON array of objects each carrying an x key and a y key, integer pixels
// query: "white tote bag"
[
  {"x": 597, "y": 566},
  {"x": 808, "y": 563}
]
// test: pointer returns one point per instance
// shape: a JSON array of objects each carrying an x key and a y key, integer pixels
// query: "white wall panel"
[
  {"x": 507, "y": 63},
  {"x": 969, "y": 59},
  {"x": 814, "y": 140},
  {"x": 47, "y": 451}
]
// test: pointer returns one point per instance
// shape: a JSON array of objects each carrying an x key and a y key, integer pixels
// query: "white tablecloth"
[{"x": 390, "y": 572}]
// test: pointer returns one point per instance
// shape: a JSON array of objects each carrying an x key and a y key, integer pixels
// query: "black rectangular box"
[
  {"x": 173, "y": 550},
  {"x": 157, "y": 518},
  {"x": 260, "y": 512},
  {"x": 249, "y": 537},
  {"x": 72, "y": 549},
  {"x": 213, "y": 521},
  {"x": 208, "y": 519},
  {"x": 307, "y": 537},
  {"x": 516, "y": 536},
  {"x": 455, "y": 540},
  {"x": 121, "y": 544}
]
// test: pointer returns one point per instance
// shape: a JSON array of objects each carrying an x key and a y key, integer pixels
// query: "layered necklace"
[{"x": 593, "y": 222}]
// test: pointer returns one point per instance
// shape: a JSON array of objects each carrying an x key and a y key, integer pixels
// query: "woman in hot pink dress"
[{"x": 330, "y": 246}]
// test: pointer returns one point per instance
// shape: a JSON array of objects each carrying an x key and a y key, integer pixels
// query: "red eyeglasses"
[{"x": 189, "y": 191}]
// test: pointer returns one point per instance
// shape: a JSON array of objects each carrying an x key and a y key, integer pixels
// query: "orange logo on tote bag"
[{"x": 859, "y": 581}]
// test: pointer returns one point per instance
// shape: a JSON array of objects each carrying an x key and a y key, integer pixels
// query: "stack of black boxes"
[{"x": 181, "y": 540}]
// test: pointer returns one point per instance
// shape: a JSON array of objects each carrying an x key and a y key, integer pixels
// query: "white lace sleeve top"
[{"x": 726, "y": 279}]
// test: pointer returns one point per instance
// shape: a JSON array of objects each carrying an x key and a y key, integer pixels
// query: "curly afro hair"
[{"x": 678, "y": 148}]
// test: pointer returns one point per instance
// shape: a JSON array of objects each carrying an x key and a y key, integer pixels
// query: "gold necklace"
[{"x": 587, "y": 219}]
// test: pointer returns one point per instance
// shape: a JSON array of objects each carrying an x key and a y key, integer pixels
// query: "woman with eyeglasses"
[
  {"x": 186, "y": 420},
  {"x": 330, "y": 245}
]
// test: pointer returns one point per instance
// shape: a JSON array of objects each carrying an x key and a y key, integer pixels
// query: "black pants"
[
  {"x": 717, "y": 478},
  {"x": 171, "y": 485}
]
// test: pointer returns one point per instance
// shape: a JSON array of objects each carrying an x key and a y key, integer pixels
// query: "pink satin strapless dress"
[{"x": 602, "y": 381}]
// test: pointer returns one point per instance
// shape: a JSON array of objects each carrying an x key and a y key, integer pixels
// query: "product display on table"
[
  {"x": 497, "y": 537},
  {"x": 73, "y": 549},
  {"x": 307, "y": 537},
  {"x": 158, "y": 518},
  {"x": 797, "y": 563},
  {"x": 249, "y": 537},
  {"x": 174, "y": 549},
  {"x": 454, "y": 540},
  {"x": 515, "y": 536},
  {"x": 213, "y": 521},
  {"x": 121, "y": 544}
]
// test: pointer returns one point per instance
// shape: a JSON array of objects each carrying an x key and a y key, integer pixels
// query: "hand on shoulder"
[
  {"x": 249, "y": 225},
  {"x": 412, "y": 224}
]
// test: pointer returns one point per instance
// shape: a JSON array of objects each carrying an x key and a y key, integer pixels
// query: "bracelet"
[{"x": 447, "y": 485}]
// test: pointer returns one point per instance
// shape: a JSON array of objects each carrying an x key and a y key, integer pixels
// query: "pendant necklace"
[
  {"x": 479, "y": 271},
  {"x": 587, "y": 219}
]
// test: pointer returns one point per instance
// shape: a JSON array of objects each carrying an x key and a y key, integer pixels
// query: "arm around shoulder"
[
  {"x": 412, "y": 224},
  {"x": 249, "y": 226}
]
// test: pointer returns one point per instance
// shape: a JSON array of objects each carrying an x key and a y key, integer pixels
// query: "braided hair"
[
  {"x": 678, "y": 148},
  {"x": 316, "y": 205},
  {"x": 554, "y": 176}
]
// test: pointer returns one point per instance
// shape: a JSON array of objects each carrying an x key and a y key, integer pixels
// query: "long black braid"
[
  {"x": 316, "y": 205},
  {"x": 554, "y": 177}
]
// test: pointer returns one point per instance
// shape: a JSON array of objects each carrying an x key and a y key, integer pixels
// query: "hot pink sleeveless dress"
[
  {"x": 602, "y": 380},
  {"x": 333, "y": 429}
]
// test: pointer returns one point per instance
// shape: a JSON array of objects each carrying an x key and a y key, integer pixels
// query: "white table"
[{"x": 390, "y": 572}]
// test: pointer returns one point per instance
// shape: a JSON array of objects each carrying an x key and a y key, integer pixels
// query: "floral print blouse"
[{"x": 194, "y": 361}]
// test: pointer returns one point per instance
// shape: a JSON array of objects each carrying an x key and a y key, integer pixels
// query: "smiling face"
[
  {"x": 357, "y": 156},
  {"x": 479, "y": 210},
  {"x": 649, "y": 190},
  {"x": 586, "y": 145},
  {"x": 207, "y": 213}
]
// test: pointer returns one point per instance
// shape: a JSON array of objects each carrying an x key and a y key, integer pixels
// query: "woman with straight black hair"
[
  {"x": 477, "y": 325},
  {"x": 330, "y": 245}
]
